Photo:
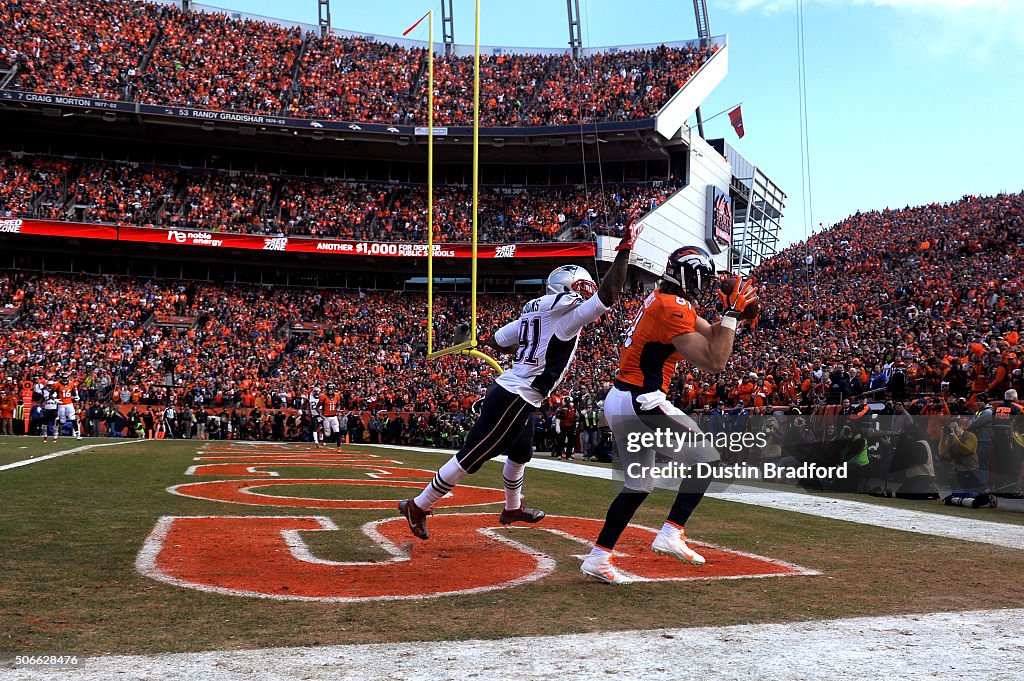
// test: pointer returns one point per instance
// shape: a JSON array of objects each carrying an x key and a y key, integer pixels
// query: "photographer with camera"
[{"x": 961, "y": 447}]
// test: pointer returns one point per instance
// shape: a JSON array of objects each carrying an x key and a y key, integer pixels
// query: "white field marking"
[
  {"x": 928, "y": 646},
  {"x": 357, "y": 482},
  {"x": 797, "y": 570},
  {"x": 425, "y": 450},
  {"x": 312, "y": 461},
  {"x": 76, "y": 450},
  {"x": 146, "y": 563},
  {"x": 254, "y": 443},
  {"x": 253, "y": 470},
  {"x": 191, "y": 470},
  {"x": 920, "y": 522}
]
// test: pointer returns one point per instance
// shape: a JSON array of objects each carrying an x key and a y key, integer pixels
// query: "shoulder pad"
[
  {"x": 552, "y": 301},
  {"x": 536, "y": 304},
  {"x": 565, "y": 300},
  {"x": 675, "y": 304},
  {"x": 682, "y": 302}
]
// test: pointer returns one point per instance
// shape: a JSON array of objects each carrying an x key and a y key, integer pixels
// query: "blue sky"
[{"x": 909, "y": 101}]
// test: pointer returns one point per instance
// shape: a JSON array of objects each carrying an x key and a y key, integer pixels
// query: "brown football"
[{"x": 727, "y": 283}]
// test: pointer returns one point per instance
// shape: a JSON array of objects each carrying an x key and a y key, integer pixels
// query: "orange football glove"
[{"x": 739, "y": 297}]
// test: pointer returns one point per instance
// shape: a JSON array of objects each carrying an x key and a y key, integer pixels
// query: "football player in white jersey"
[
  {"x": 51, "y": 405},
  {"x": 544, "y": 339},
  {"x": 316, "y": 421}
]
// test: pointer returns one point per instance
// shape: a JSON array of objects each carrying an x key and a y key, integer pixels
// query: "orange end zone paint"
[{"x": 467, "y": 553}]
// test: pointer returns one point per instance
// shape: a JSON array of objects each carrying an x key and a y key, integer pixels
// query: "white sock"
[
  {"x": 445, "y": 480},
  {"x": 512, "y": 476},
  {"x": 599, "y": 553},
  {"x": 670, "y": 529}
]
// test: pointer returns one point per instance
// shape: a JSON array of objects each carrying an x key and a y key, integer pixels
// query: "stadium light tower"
[
  {"x": 447, "y": 27},
  {"x": 700, "y": 12},
  {"x": 324, "y": 7},
  {"x": 575, "y": 38}
]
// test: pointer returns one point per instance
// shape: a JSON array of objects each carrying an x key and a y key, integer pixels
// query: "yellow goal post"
[{"x": 468, "y": 347}]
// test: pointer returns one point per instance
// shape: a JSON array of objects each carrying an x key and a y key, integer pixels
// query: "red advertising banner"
[
  {"x": 410, "y": 250},
  {"x": 65, "y": 229},
  {"x": 212, "y": 239},
  {"x": 190, "y": 237}
]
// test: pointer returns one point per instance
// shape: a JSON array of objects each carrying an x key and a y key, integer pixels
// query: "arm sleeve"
[
  {"x": 575, "y": 317},
  {"x": 508, "y": 335}
]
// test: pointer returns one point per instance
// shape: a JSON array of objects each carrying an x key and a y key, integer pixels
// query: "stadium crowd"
[
  {"x": 129, "y": 50},
  {"x": 933, "y": 330},
  {"x": 135, "y": 343},
  {"x": 34, "y": 186},
  {"x": 210, "y": 61},
  {"x": 93, "y": 49},
  {"x": 120, "y": 193},
  {"x": 919, "y": 300}
]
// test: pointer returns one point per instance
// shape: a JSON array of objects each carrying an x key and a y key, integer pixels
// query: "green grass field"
[
  {"x": 19, "y": 448},
  {"x": 72, "y": 526}
]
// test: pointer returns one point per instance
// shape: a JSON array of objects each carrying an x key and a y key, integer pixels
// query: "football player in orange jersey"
[
  {"x": 67, "y": 391},
  {"x": 666, "y": 331},
  {"x": 330, "y": 403}
]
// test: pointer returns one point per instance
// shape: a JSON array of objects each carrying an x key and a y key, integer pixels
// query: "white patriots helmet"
[{"x": 571, "y": 278}]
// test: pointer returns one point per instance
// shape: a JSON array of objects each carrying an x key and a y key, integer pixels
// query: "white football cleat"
[
  {"x": 604, "y": 569},
  {"x": 675, "y": 545}
]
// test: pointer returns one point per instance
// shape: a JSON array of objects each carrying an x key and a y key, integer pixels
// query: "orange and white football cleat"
[
  {"x": 602, "y": 567},
  {"x": 674, "y": 544}
]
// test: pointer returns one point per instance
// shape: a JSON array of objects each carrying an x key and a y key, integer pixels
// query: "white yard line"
[
  {"x": 76, "y": 450},
  {"x": 931, "y": 646},
  {"x": 921, "y": 522}
]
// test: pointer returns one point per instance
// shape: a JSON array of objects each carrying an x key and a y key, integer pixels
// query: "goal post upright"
[
  {"x": 468, "y": 347},
  {"x": 476, "y": 171},
  {"x": 430, "y": 185}
]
